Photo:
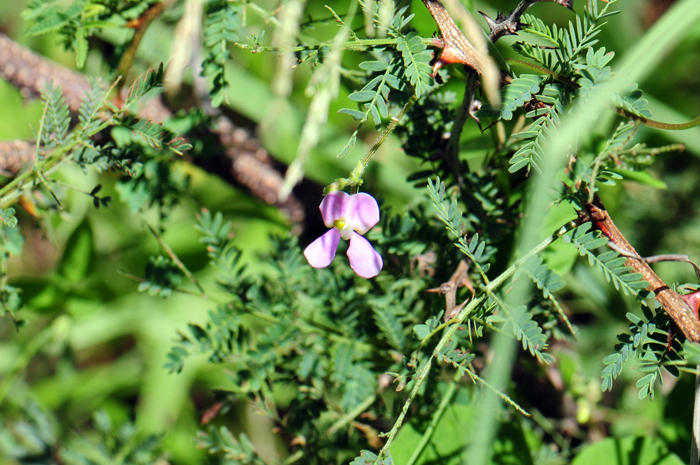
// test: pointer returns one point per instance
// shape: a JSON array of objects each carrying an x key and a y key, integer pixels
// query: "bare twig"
[
  {"x": 14, "y": 154},
  {"x": 30, "y": 72},
  {"x": 673, "y": 303},
  {"x": 140, "y": 26},
  {"x": 459, "y": 278},
  {"x": 463, "y": 113},
  {"x": 176, "y": 260},
  {"x": 658, "y": 258}
]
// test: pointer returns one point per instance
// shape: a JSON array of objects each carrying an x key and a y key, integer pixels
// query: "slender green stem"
[
  {"x": 348, "y": 417},
  {"x": 534, "y": 251},
  {"x": 355, "y": 179},
  {"x": 180, "y": 290},
  {"x": 58, "y": 326},
  {"x": 455, "y": 324},
  {"x": 505, "y": 398},
  {"x": 357, "y": 45},
  {"x": 176, "y": 260},
  {"x": 389, "y": 129},
  {"x": 437, "y": 415},
  {"x": 46, "y": 165},
  {"x": 658, "y": 124},
  {"x": 542, "y": 70},
  {"x": 264, "y": 14},
  {"x": 298, "y": 455},
  {"x": 620, "y": 111}
]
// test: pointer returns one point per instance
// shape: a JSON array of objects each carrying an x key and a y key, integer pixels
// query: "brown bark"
[
  {"x": 247, "y": 162},
  {"x": 457, "y": 48}
]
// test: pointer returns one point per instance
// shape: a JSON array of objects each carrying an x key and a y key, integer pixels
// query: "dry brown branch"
[
  {"x": 457, "y": 48},
  {"x": 673, "y": 303},
  {"x": 30, "y": 72},
  {"x": 510, "y": 25},
  {"x": 460, "y": 278},
  {"x": 248, "y": 162},
  {"x": 14, "y": 154}
]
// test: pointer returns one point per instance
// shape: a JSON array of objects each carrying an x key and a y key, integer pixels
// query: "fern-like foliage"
[
  {"x": 548, "y": 119},
  {"x": 217, "y": 236},
  {"x": 236, "y": 451},
  {"x": 155, "y": 135},
  {"x": 56, "y": 118},
  {"x": 595, "y": 74},
  {"x": 162, "y": 277},
  {"x": 223, "y": 19},
  {"x": 409, "y": 68},
  {"x": 153, "y": 79},
  {"x": 630, "y": 99},
  {"x": 603, "y": 169},
  {"x": 459, "y": 358},
  {"x": 610, "y": 263},
  {"x": 618, "y": 141},
  {"x": 519, "y": 321},
  {"x": 11, "y": 243},
  {"x": 647, "y": 340},
  {"x": 114, "y": 444},
  {"x": 546, "y": 280},
  {"x": 390, "y": 325},
  {"x": 374, "y": 96},
  {"x": 518, "y": 92},
  {"x": 78, "y": 20},
  {"x": 572, "y": 57},
  {"x": 91, "y": 108},
  {"x": 297, "y": 339},
  {"x": 48, "y": 16},
  {"x": 367, "y": 457},
  {"x": 570, "y": 43},
  {"x": 452, "y": 217},
  {"x": 416, "y": 60}
]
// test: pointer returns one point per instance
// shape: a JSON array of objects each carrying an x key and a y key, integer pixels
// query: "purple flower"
[{"x": 347, "y": 215}]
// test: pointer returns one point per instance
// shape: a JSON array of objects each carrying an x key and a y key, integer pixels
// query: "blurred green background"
[{"x": 92, "y": 341}]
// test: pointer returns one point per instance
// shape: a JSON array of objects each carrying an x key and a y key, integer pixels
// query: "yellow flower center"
[{"x": 339, "y": 223}]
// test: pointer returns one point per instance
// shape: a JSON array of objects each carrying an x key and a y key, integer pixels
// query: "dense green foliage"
[{"x": 155, "y": 312}]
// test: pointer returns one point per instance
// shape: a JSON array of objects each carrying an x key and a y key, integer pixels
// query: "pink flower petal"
[
  {"x": 363, "y": 212},
  {"x": 364, "y": 260},
  {"x": 334, "y": 206},
  {"x": 321, "y": 252}
]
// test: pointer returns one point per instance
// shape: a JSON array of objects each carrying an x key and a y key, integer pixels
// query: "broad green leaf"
[
  {"x": 356, "y": 114},
  {"x": 374, "y": 66},
  {"x": 77, "y": 255},
  {"x": 634, "y": 450}
]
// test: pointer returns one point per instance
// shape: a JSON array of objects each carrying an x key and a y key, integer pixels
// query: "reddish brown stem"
[
  {"x": 140, "y": 26},
  {"x": 457, "y": 48},
  {"x": 673, "y": 303}
]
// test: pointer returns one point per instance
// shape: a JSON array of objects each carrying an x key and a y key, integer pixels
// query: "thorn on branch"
[
  {"x": 510, "y": 25},
  {"x": 456, "y": 48},
  {"x": 460, "y": 278}
]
